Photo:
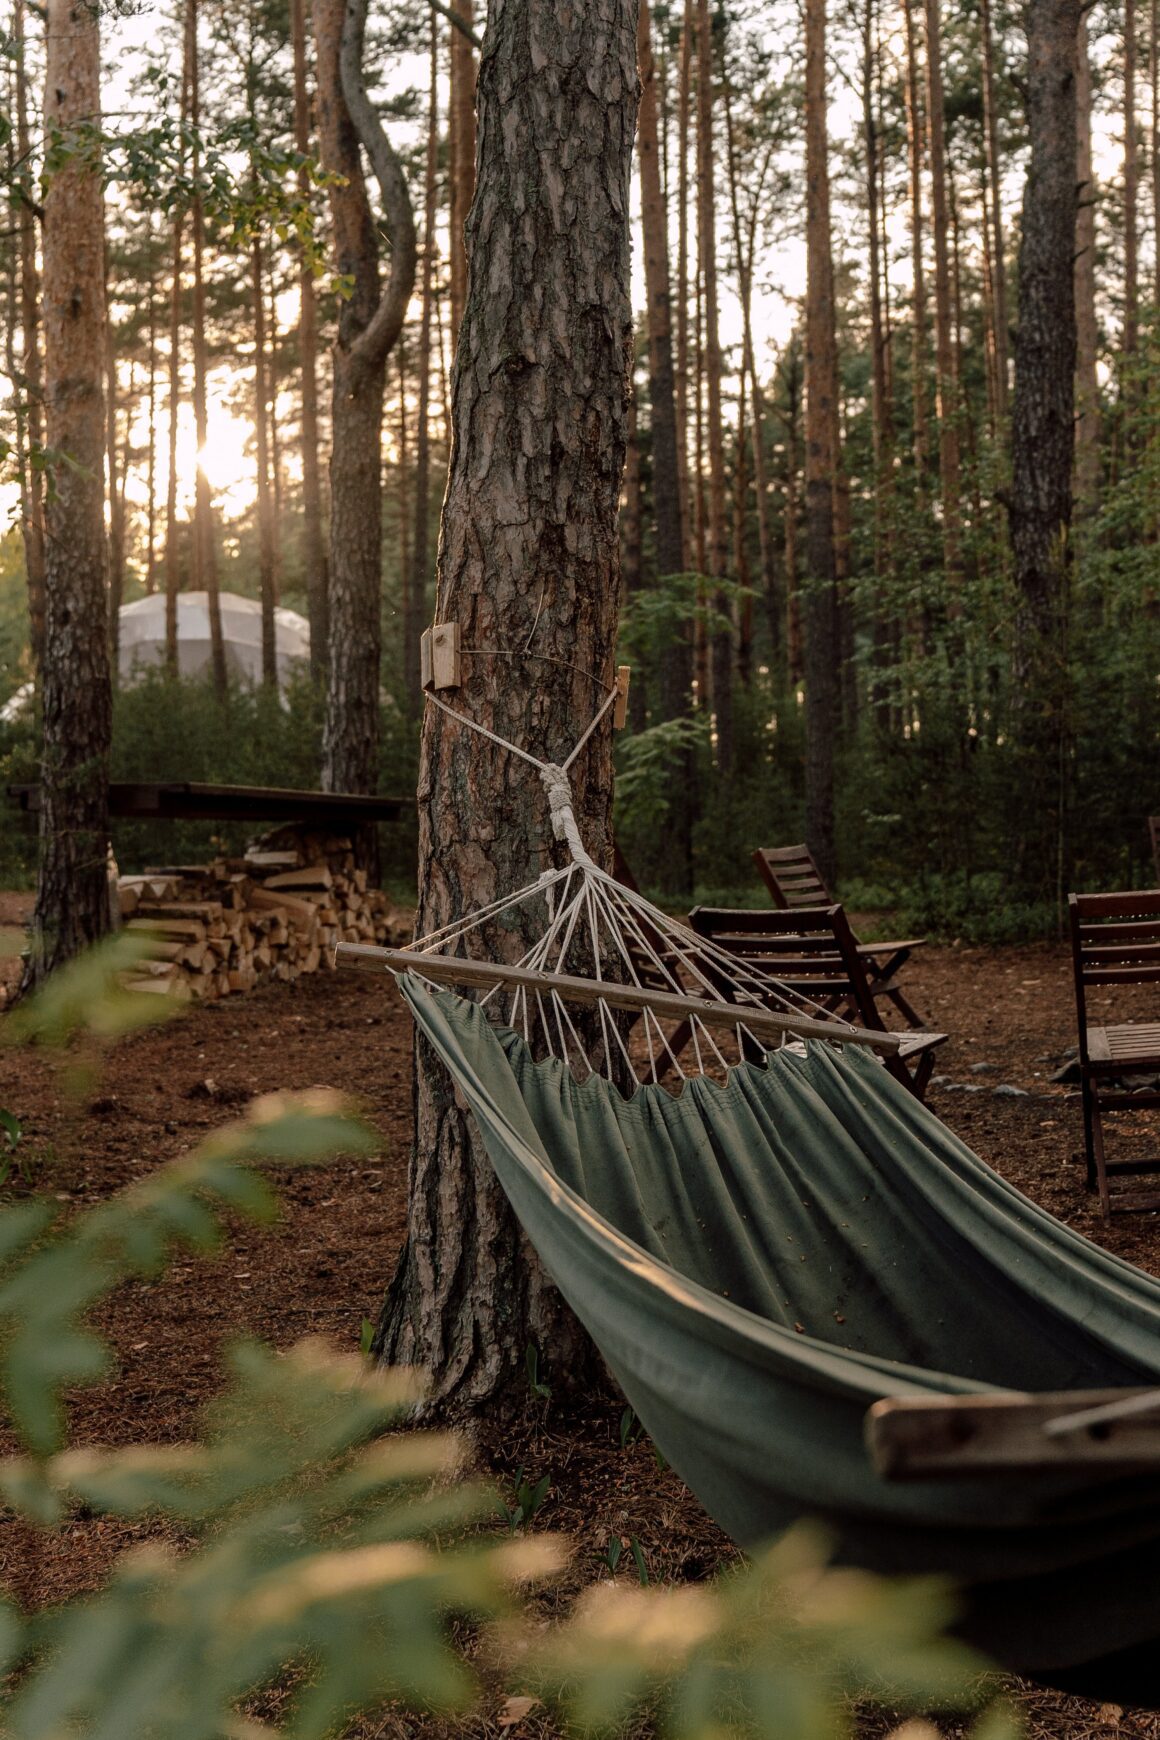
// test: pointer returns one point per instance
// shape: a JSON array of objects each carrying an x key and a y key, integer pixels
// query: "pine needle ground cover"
[{"x": 585, "y": 1472}]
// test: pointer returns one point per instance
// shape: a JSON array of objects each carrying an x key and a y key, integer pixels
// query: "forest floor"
[{"x": 321, "y": 1269}]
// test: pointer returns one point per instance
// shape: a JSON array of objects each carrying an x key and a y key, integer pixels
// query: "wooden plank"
[
  {"x": 485, "y": 975},
  {"x": 928, "y": 1438},
  {"x": 191, "y": 801}
]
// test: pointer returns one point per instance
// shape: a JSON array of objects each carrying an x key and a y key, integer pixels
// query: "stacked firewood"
[{"x": 213, "y": 929}]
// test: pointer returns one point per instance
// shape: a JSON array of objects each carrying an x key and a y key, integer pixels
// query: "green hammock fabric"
[{"x": 759, "y": 1262}]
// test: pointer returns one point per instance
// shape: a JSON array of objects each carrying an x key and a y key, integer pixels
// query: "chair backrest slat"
[
  {"x": 810, "y": 949},
  {"x": 792, "y": 877},
  {"x": 1115, "y": 940}
]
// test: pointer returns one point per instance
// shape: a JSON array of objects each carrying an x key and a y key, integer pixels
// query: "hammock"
[{"x": 791, "y": 1237}]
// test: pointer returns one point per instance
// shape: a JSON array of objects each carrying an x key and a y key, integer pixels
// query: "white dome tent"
[{"x": 142, "y": 639}]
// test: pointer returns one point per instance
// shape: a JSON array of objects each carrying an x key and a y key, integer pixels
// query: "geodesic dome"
[{"x": 142, "y": 642}]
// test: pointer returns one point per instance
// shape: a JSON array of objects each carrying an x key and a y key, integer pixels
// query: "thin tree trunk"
[
  {"x": 32, "y": 522},
  {"x": 717, "y": 539},
  {"x": 369, "y": 324},
  {"x": 205, "y": 565},
  {"x": 1042, "y": 427},
  {"x": 914, "y": 134},
  {"x": 402, "y": 475},
  {"x": 997, "y": 249},
  {"x": 1131, "y": 188},
  {"x": 740, "y": 556},
  {"x": 462, "y": 168},
  {"x": 72, "y": 895},
  {"x": 151, "y": 458},
  {"x": 676, "y": 655},
  {"x": 795, "y": 662},
  {"x": 820, "y": 612},
  {"x": 881, "y": 423},
  {"x": 528, "y": 547},
  {"x": 1087, "y": 391},
  {"x": 265, "y": 505},
  {"x": 684, "y": 91},
  {"x": 1154, "y": 80},
  {"x": 745, "y": 245},
  {"x": 946, "y": 374},
  {"x": 313, "y": 546},
  {"x": 415, "y": 613},
  {"x": 113, "y": 492}
]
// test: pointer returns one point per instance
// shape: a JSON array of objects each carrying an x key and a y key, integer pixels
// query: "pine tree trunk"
[
  {"x": 676, "y": 656},
  {"x": 151, "y": 457},
  {"x": 416, "y": 612},
  {"x": 369, "y": 325},
  {"x": 684, "y": 95},
  {"x": 205, "y": 563},
  {"x": 1087, "y": 391},
  {"x": 265, "y": 505},
  {"x": 1043, "y": 409},
  {"x": 820, "y": 611},
  {"x": 528, "y": 540},
  {"x": 717, "y": 539},
  {"x": 462, "y": 167},
  {"x": 114, "y": 496},
  {"x": 403, "y": 478},
  {"x": 918, "y": 275},
  {"x": 1000, "y": 329},
  {"x": 946, "y": 374},
  {"x": 313, "y": 547},
  {"x": 72, "y": 898},
  {"x": 1154, "y": 80},
  {"x": 1131, "y": 333},
  {"x": 32, "y": 524},
  {"x": 795, "y": 663}
]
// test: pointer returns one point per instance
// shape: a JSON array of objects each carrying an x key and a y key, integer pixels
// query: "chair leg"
[
  {"x": 922, "y": 1075},
  {"x": 909, "y": 1013},
  {"x": 1100, "y": 1162},
  {"x": 1089, "y": 1144}
]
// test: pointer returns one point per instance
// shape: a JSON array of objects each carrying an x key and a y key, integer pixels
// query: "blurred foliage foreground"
[{"x": 333, "y": 1557}]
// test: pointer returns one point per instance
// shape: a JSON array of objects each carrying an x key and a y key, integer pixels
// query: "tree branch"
[
  {"x": 464, "y": 27},
  {"x": 374, "y": 343}
]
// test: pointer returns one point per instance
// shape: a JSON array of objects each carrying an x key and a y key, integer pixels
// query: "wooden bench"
[
  {"x": 795, "y": 882},
  {"x": 814, "y": 952},
  {"x": 1115, "y": 940}
]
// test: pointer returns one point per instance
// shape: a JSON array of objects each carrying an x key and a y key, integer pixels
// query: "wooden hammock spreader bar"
[
  {"x": 762, "y": 1023},
  {"x": 957, "y": 1437}
]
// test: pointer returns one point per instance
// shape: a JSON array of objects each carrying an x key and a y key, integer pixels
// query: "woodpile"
[{"x": 213, "y": 929}]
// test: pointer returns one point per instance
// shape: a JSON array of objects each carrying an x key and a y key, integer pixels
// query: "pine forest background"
[{"x": 971, "y": 785}]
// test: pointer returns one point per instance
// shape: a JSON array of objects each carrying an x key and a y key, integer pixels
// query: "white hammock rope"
[{"x": 596, "y": 929}]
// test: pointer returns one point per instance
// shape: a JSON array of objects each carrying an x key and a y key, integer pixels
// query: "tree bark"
[
  {"x": 368, "y": 326},
  {"x": 918, "y": 275},
  {"x": 205, "y": 563},
  {"x": 684, "y": 93},
  {"x": 151, "y": 459},
  {"x": 415, "y": 615},
  {"x": 114, "y": 497},
  {"x": 72, "y": 897},
  {"x": 676, "y": 660},
  {"x": 820, "y": 612},
  {"x": 946, "y": 373},
  {"x": 721, "y": 650},
  {"x": 528, "y": 547},
  {"x": 1000, "y": 330},
  {"x": 462, "y": 165},
  {"x": 1131, "y": 333},
  {"x": 1087, "y": 391},
  {"x": 1042, "y": 424},
  {"x": 267, "y": 579},
  {"x": 32, "y": 523},
  {"x": 313, "y": 547}
]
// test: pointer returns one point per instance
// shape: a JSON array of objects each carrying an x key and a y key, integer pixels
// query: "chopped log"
[
  {"x": 317, "y": 876},
  {"x": 204, "y": 909},
  {"x": 187, "y": 929}
]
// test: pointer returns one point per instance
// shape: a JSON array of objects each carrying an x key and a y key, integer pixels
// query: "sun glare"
[{"x": 227, "y": 456}]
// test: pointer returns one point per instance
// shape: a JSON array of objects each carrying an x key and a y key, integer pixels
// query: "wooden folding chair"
[
  {"x": 1115, "y": 940},
  {"x": 814, "y": 952},
  {"x": 794, "y": 880}
]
